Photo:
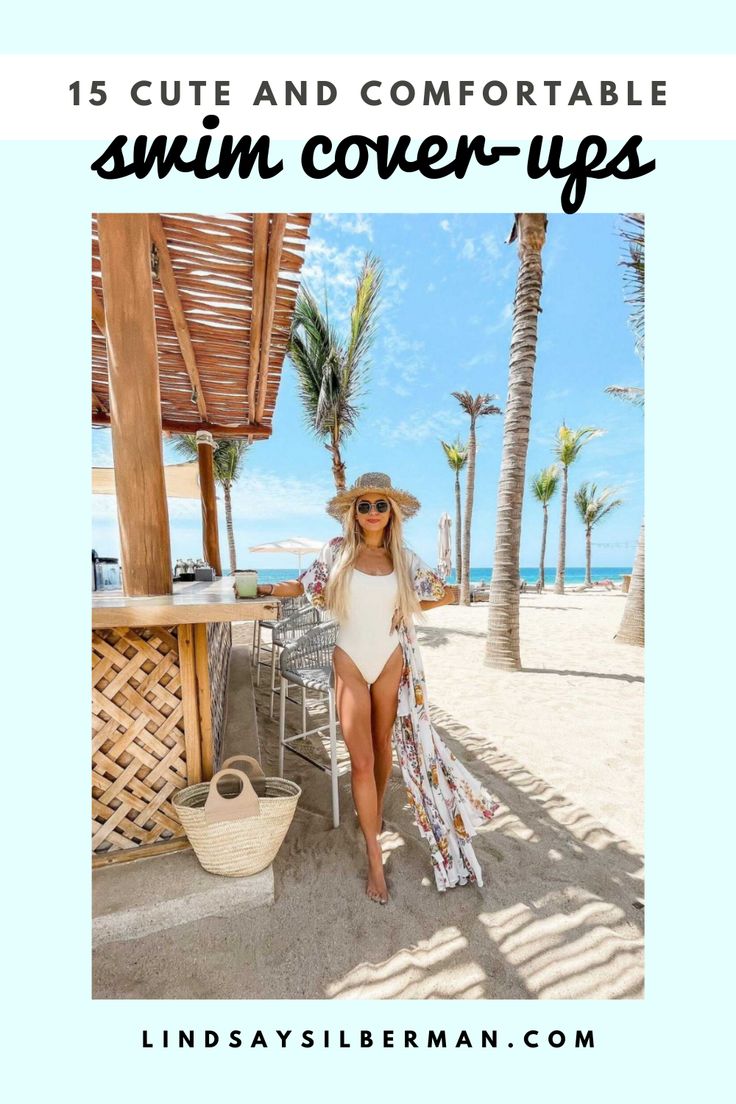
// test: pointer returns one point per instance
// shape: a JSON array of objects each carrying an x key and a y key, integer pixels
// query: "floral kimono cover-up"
[{"x": 447, "y": 801}]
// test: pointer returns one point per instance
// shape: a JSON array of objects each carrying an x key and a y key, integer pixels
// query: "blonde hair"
[{"x": 336, "y": 591}]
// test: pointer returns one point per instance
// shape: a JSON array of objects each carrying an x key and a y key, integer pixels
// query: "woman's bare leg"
[
  {"x": 354, "y": 710},
  {"x": 384, "y": 701}
]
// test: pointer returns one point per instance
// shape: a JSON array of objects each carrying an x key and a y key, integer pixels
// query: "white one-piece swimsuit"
[{"x": 366, "y": 633}]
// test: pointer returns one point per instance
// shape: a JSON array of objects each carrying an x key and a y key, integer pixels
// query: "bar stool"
[
  {"x": 288, "y": 606},
  {"x": 307, "y": 662},
  {"x": 284, "y": 632}
]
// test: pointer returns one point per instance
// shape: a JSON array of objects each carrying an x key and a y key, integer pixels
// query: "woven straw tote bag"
[{"x": 237, "y": 822}]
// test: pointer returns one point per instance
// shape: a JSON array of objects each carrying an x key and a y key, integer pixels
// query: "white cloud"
[
  {"x": 484, "y": 251},
  {"x": 420, "y": 427},
  {"x": 105, "y": 508},
  {"x": 332, "y": 272},
  {"x": 486, "y": 356},
  {"x": 348, "y": 224},
  {"x": 258, "y": 496},
  {"x": 501, "y": 323},
  {"x": 101, "y": 448},
  {"x": 263, "y": 495},
  {"x": 401, "y": 360}
]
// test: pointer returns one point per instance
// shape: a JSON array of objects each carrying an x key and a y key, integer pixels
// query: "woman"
[{"x": 373, "y": 585}]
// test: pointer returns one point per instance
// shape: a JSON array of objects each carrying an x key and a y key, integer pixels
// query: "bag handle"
[
  {"x": 242, "y": 805},
  {"x": 255, "y": 770},
  {"x": 252, "y": 768}
]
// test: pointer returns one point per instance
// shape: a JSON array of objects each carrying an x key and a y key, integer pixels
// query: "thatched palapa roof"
[{"x": 224, "y": 293}]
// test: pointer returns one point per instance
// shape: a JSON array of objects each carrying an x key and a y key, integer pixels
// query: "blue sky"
[{"x": 445, "y": 325}]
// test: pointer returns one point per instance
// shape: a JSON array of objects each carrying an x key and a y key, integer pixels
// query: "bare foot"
[{"x": 376, "y": 885}]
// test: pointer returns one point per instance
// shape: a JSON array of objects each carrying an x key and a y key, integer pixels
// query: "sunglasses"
[{"x": 380, "y": 507}]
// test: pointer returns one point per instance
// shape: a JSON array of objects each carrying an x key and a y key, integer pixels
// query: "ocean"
[{"x": 573, "y": 575}]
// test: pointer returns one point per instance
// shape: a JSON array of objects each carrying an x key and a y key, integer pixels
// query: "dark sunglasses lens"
[
  {"x": 382, "y": 506},
  {"x": 364, "y": 507}
]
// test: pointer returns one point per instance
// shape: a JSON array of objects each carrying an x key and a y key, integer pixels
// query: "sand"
[{"x": 560, "y": 744}]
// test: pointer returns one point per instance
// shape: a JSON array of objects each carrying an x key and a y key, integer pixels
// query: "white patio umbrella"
[
  {"x": 444, "y": 556},
  {"x": 297, "y": 546}
]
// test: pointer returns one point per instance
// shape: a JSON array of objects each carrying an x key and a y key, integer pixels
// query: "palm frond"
[
  {"x": 632, "y": 233},
  {"x": 456, "y": 454},
  {"x": 330, "y": 371},
  {"x": 594, "y": 506},
  {"x": 571, "y": 441},
  {"x": 186, "y": 445},
  {"x": 363, "y": 315},
  {"x": 227, "y": 458},
  {"x": 543, "y": 485},
  {"x": 633, "y": 395},
  {"x": 477, "y": 406}
]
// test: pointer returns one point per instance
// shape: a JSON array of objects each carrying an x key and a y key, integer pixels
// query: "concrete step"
[{"x": 133, "y": 899}]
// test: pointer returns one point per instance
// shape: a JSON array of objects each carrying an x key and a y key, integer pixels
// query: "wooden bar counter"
[{"x": 159, "y": 684}]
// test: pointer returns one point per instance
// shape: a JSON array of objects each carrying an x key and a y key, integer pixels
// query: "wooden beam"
[
  {"x": 135, "y": 411},
  {"x": 260, "y": 259},
  {"x": 167, "y": 279},
  {"x": 100, "y": 418},
  {"x": 146, "y": 851},
  {"x": 204, "y": 699},
  {"x": 190, "y": 703},
  {"x": 208, "y": 496},
  {"x": 275, "y": 242},
  {"x": 98, "y": 312}
]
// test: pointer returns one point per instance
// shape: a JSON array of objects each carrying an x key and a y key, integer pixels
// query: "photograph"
[{"x": 367, "y": 605}]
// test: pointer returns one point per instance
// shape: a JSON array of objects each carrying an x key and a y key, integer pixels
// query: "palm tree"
[
  {"x": 457, "y": 456},
  {"x": 593, "y": 507},
  {"x": 331, "y": 370},
  {"x": 631, "y": 629},
  {"x": 502, "y": 645},
  {"x": 568, "y": 448},
  {"x": 544, "y": 486},
  {"x": 632, "y": 232},
  {"x": 227, "y": 461},
  {"x": 476, "y": 406}
]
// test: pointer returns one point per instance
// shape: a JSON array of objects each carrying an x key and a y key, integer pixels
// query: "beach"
[{"x": 559, "y": 744}]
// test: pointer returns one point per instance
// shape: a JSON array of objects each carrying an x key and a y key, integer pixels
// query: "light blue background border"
[
  {"x": 383, "y": 27},
  {"x": 673, "y": 1041}
]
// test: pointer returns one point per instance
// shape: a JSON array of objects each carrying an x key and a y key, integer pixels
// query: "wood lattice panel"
[
  {"x": 138, "y": 748},
  {"x": 219, "y": 637}
]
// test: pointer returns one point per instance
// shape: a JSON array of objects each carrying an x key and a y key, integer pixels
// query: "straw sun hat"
[{"x": 372, "y": 481}]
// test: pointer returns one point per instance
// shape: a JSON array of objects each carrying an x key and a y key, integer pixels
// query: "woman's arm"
[
  {"x": 292, "y": 588},
  {"x": 449, "y": 598}
]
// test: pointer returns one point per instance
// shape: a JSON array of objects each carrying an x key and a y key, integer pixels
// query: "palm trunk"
[
  {"x": 458, "y": 531},
  {"x": 469, "y": 493},
  {"x": 338, "y": 468},
  {"x": 229, "y": 525},
  {"x": 588, "y": 579},
  {"x": 502, "y": 644},
  {"x": 544, "y": 544},
  {"x": 631, "y": 629},
  {"x": 560, "y": 579}
]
